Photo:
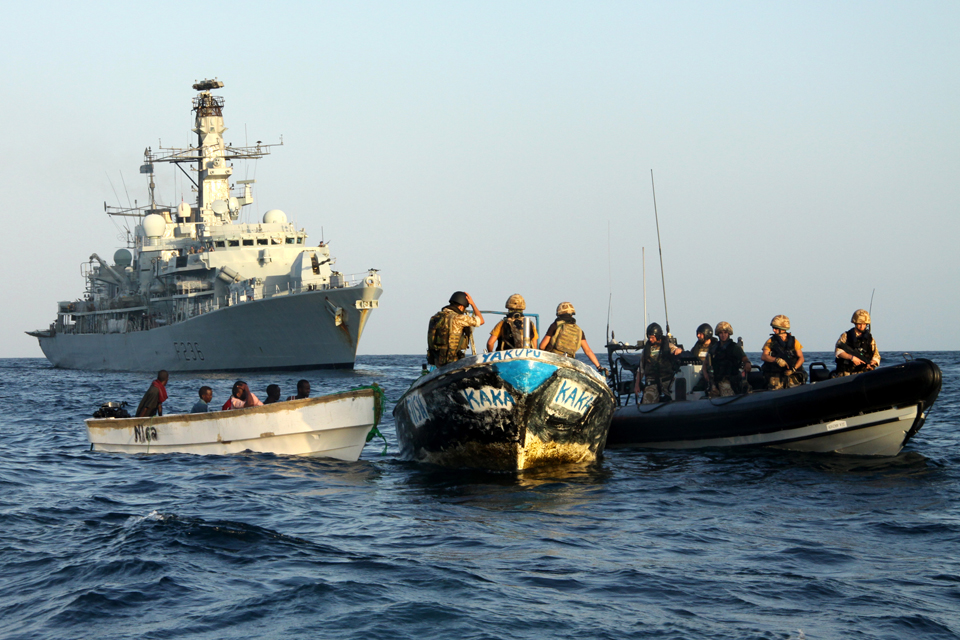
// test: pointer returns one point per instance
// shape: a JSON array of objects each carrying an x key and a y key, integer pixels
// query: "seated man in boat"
[
  {"x": 449, "y": 331},
  {"x": 704, "y": 341},
  {"x": 658, "y": 366},
  {"x": 724, "y": 361},
  {"x": 782, "y": 357},
  {"x": 516, "y": 331},
  {"x": 203, "y": 404},
  {"x": 273, "y": 394},
  {"x": 241, "y": 397},
  {"x": 856, "y": 350},
  {"x": 152, "y": 402},
  {"x": 565, "y": 338},
  {"x": 303, "y": 390}
]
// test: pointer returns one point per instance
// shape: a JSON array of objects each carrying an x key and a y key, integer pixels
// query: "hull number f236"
[{"x": 188, "y": 351}]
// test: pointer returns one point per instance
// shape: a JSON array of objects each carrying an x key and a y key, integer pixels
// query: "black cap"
[{"x": 459, "y": 297}]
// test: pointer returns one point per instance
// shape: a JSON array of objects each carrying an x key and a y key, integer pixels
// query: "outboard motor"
[{"x": 112, "y": 410}]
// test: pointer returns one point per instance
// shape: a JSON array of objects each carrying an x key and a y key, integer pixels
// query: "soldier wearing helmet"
[
  {"x": 856, "y": 350},
  {"x": 658, "y": 366},
  {"x": 449, "y": 331},
  {"x": 704, "y": 340},
  {"x": 516, "y": 331},
  {"x": 564, "y": 337},
  {"x": 782, "y": 357},
  {"x": 724, "y": 361}
]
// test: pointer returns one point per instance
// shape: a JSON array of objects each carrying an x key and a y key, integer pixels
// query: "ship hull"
[{"x": 279, "y": 333}]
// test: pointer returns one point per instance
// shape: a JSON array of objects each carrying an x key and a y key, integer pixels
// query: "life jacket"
[
  {"x": 862, "y": 347},
  {"x": 657, "y": 365},
  {"x": 511, "y": 332},
  {"x": 785, "y": 349},
  {"x": 725, "y": 361},
  {"x": 566, "y": 339},
  {"x": 443, "y": 345}
]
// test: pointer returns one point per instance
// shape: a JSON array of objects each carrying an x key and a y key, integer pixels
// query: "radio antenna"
[{"x": 663, "y": 283}]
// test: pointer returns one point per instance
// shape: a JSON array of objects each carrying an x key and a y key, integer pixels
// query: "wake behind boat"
[
  {"x": 506, "y": 410},
  {"x": 333, "y": 426},
  {"x": 870, "y": 414}
]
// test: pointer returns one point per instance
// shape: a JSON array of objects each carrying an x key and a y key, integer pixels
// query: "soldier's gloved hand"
[
  {"x": 602, "y": 371},
  {"x": 782, "y": 363}
]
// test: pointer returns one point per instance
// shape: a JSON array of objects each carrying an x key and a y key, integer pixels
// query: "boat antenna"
[
  {"x": 610, "y": 282},
  {"x": 870, "y": 311},
  {"x": 643, "y": 261},
  {"x": 663, "y": 283}
]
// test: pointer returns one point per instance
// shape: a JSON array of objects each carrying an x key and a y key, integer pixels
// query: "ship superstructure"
[{"x": 197, "y": 290}]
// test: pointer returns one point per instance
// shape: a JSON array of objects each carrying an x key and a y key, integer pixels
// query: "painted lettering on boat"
[
  {"x": 836, "y": 424},
  {"x": 509, "y": 354},
  {"x": 487, "y": 398},
  {"x": 416, "y": 409},
  {"x": 144, "y": 434},
  {"x": 573, "y": 397}
]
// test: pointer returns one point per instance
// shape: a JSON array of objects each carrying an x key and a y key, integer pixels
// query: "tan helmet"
[
  {"x": 780, "y": 322},
  {"x": 516, "y": 302},
  {"x": 565, "y": 307},
  {"x": 723, "y": 326},
  {"x": 860, "y": 315}
]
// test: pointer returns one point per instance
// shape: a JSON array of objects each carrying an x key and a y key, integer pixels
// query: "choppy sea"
[{"x": 644, "y": 544}]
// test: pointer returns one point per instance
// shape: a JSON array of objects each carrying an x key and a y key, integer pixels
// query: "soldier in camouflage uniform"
[
  {"x": 516, "y": 331},
  {"x": 724, "y": 361},
  {"x": 704, "y": 340},
  {"x": 565, "y": 338},
  {"x": 449, "y": 331},
  {"x": 658, "y": 366},
  {"x": 856, "y": 350},
  {"x": 782, "y": 357}
]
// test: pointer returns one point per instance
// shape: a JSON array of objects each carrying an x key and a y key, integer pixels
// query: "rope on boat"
[{"x": 379, "y": 403}]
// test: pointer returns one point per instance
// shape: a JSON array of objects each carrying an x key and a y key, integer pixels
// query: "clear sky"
[{"x": 804, "y": 153}]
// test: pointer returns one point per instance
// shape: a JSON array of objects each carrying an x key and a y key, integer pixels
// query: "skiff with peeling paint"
[
  {"x": 506, "y": 410},
  {"x": 332, "y": 426}
]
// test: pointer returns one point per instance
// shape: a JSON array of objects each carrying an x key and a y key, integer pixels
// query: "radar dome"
[
  {"x": 274, "y": 216},
  {"x": 122, "y": 258},
  {"x": 154, "y": 226},
  {"x": 183, "y": 210}
]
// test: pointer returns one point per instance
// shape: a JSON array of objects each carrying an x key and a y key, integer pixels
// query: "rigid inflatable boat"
[{"x": 869, "y": 414}]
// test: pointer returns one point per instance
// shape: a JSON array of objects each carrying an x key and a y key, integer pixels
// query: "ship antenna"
[
  {"x": 663, "y": 283},
  {"x": 610, "y": 280},
  {"x": 870, "y": 311}
]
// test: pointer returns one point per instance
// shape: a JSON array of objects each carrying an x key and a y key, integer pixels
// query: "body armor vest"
[
  {"x": 785, "y": 349},
  {"x": 511, "y": 333},
  {"x": 443, "y": 345},
  {"x": 700, "y": 350},
  {"x": 566, "y": 339},
  {"x": 862, "y": 347},
  {"x": 657, "y": 365},
  {"x": 725, "y": 360}
]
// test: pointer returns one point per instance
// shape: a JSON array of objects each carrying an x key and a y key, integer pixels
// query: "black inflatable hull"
[
  {"x": 506, "y": 410},
  {"x": 874, "y": 413}
]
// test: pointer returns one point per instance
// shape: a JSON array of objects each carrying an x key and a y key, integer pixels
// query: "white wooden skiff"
[{"x": 334, "y": 426}]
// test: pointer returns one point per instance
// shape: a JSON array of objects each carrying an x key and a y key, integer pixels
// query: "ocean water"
[{"x": 644, "y": 544}]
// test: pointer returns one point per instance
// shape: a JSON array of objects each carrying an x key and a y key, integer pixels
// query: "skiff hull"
[
  {"x": 871, "y": 414},
  {"x": 506, "y": 410},
  {"x": 333, "y": 426}
]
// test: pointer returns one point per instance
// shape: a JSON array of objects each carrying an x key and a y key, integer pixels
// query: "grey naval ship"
[{"x": 196, "y": 290}]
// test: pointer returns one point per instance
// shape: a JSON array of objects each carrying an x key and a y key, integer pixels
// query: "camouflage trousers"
[
  {"x": 723, "y": 389},
  {"x": 788, "y": 381},
  {"x": 651, "y": 392}
]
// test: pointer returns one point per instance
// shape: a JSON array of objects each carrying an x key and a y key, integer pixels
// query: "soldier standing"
[
  {"x": 658, "y": 366},
  {"x": 564, "y": 337},
  {"x": 856, "y": 349},
  {"x": 724, "y": 361},
  {"x": 516, "y": 331},
  {"x": 449, "y": 332},
  {"x": 782, "y": 357},
  {"x": 704, "y": 340}
]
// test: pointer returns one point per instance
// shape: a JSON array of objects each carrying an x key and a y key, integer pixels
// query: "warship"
[{"x": 197, "y": 290}]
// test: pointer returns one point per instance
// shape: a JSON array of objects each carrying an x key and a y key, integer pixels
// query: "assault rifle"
[{"x": 843, "y": 346}]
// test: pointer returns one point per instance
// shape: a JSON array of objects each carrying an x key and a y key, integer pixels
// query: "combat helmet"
[
  {"x": 459, "y": 297},
  {"x": 780, "y": 322},
  {"x": 655, "y": 330},
  {"x": 724, "y": 326},
  {"x": 706, "y": 330},
  {"x": 860, "y": 315},
  {"x": 516, "y": 303},
  {"x": 566, "y": 307}
]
